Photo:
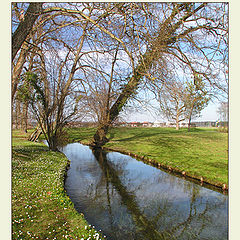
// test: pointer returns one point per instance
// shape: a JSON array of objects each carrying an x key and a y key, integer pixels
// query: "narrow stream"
[{"x": 128, "y": 199}]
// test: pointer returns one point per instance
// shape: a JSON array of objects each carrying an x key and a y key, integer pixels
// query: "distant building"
[
  {"x": 133, "y": 124},
  {"x": 157, "y": 123},
  {"x": 147, "y": 124}
]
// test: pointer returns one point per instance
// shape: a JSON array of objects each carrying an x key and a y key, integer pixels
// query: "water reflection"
[{"x": 128, "y": 199}]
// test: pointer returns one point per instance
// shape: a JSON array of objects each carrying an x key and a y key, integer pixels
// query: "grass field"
[
  {"x": 202, "y": 152},
  {"x": 40, "y": 207}
]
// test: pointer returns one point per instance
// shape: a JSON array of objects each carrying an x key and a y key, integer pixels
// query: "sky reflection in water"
[{"x": 128, "y": 199}]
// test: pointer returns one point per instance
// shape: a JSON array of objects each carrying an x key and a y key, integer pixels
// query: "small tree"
[
  {"x": 223, "y": 111},
  {"x": 172, "y": 102},
  {"x": 179, "y": 101},
  {"x": 196, "y": 99},
  {"x": 51, "y": 116}
]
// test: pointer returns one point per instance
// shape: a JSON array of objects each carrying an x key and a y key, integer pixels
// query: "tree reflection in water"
[{"x": 128, "y": 199}]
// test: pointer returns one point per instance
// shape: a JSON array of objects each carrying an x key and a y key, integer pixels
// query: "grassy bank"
[
  {"x": 202, "y": 152},
  {"x": 40, "y": 207}
]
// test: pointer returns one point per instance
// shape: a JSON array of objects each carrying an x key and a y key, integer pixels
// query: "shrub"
[{"x": 223, "y": 129}]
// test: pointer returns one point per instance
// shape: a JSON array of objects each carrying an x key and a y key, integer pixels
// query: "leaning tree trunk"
[
  {"x": 17, "y": 70},
  {"x": 166, "y": 36},
  {"x": 100, "y": 138},
  {"x": 151, "y": 55},
  {"x": 25, "y": 26}
]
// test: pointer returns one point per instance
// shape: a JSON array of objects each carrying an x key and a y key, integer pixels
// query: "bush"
[{"x": 223, "y": 129}]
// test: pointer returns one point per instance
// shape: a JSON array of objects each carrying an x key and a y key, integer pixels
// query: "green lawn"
[
  {"x": 40, "y": 207},
  {"x": 202, "y": 152}
]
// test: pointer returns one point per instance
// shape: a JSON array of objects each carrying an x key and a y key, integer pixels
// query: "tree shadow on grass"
[
  {"x": 172, "y": 143},
  {"x": 29, "y": 150},
  {"x": 146, "y": 135},
  {"x": 137, "y": 136}
]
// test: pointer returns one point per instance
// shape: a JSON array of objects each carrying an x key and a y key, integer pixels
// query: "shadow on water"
[
  {"x": 146, "y": 227},
  {"x": 128, "y": 199}
]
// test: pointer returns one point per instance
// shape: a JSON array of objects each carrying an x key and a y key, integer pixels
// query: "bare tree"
[
  {"x": 180, "y": 98},
  {"x": 53, "y": 100},
  {"x": 172, "y": 102},
  {"x": 32, "y": 58},
  {"x": 223, "y": 111}
]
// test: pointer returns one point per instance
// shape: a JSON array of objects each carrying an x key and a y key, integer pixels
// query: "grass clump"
[{"x": 40, "y": 207}]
